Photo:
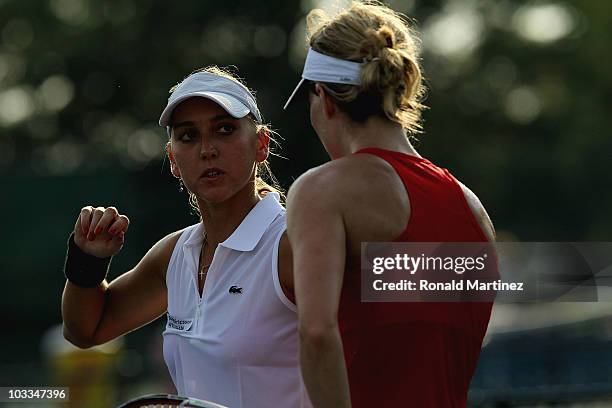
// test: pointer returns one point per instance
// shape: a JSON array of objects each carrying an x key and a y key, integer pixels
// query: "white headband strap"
[{"x": 323, "y": 68}]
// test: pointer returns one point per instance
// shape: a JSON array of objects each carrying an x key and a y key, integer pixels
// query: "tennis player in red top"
[{"x": 364, "y": 86}]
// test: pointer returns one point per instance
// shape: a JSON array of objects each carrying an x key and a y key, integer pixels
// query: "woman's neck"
[
  {"x": 375, "y": 132},
  {"x": 221, "y": 219}
]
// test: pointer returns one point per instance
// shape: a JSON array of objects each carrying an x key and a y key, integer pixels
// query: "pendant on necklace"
[{"x": 202, "y": 271}]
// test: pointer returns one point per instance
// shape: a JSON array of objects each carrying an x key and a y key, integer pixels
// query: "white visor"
[
  {"x": 323, "y": 68},
  {"x": 232, "y": 96}
]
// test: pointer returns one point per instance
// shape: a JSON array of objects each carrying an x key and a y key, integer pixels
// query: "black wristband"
[{"x": 84, "y": 270}]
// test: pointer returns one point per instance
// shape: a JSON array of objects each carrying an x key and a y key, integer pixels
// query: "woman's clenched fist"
[{"x": 100, "y": 231}]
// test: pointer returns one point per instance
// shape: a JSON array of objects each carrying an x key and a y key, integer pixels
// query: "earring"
[{"x": 181, "y": 185}]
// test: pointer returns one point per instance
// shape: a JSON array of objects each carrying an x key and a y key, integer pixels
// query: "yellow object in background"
[{"x": 89, "y": 374}]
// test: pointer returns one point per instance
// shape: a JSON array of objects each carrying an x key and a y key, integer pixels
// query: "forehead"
[{"x": 196, "y": 109}]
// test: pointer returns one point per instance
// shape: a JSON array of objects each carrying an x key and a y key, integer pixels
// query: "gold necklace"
[{"x": 204, "y": 268}]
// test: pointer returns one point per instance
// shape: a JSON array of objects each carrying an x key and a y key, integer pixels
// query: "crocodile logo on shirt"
[{"x": 235, "y": 289}]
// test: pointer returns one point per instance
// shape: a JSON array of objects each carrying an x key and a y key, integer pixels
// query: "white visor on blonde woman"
[
  {"x": 323, "y": 68},
  {"x": 232, "y": 96}
]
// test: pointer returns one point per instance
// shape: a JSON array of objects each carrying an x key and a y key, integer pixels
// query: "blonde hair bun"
[
  {"x": 374, "y": 34},
  {"x": 377, "y": 40}
]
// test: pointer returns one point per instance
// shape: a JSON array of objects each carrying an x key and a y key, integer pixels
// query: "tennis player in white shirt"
[{"x": 225, "y": 283}]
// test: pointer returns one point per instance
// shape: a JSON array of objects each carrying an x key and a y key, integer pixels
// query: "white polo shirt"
[{"x": 237, "y": 345}]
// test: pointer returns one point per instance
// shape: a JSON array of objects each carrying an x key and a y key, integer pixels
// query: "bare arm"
[
  {"x": 317, "y": 236},
  {"x": 285, "y": 267},
  {"x": 481, "y": 215},
  {"x": 96, "y": 315}
]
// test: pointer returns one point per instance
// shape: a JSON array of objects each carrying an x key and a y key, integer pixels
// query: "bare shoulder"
[
  {"x": 165, "y": 246},
  {"x": 479, "y": 212},
  {"x": 321, "y": 176},
  {"x": 313, "y": 188},
  {"x": 323, "y": 190},
  {"x": 315, "y": 195},
  {"x": 344, "y": 176},
  {"x": 363, "y": 189},
  {"x": 158, "y": 257}
]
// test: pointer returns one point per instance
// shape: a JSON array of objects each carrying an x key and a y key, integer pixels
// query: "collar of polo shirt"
[{"x": 248, "y": 234}]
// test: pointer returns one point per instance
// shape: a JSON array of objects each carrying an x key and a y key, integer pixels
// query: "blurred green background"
[{"x": 520, "y": 97}]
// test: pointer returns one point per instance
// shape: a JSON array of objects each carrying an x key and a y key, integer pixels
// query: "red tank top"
[{"x": 415, "y": 354}]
